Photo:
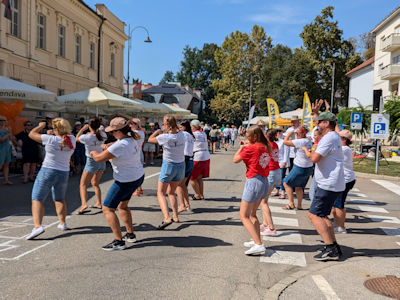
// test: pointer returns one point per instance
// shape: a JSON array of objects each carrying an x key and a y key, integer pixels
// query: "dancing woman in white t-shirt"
[
  {"x": 136, "y": 126},
  {"x": 54, "y": 173},
  {"x": 128, "y": 174},
  {"x": 93, "y": 171},
  {"x": 172, "y": 168}
]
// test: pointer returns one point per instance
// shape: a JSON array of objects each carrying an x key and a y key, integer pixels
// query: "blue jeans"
[
  {"x": 121, "y": 191},
  {"x": 50, "y": 180},
  {"x": 283, "y": 175},
  {"x": 172, "y": 171}
]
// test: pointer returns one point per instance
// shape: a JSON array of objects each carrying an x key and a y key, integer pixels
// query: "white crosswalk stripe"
[
  {"x": 373, "y": 209},
  {"x": 280, "y": 210},
  {"x": 284, "y": 237},
  {"x": 284, "y": 257},
  {"x": 360, "y": 201},
  {"x": 385, "y": 219},
  {"x": 388, "y": 185},
  {"x": 285, "y": 221},
  {"x": 391, "y": 231},
  {"x": 278, "y": 201}
]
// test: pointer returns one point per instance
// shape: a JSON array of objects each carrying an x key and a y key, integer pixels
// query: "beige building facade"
[
  {"x": 387, "y": 55},
  {"x": 62, "y": 46}
]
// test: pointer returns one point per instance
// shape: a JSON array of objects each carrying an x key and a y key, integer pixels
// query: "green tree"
[
  {"x": 240, "y": 61},
  {"x": 168, "y": 77},
  {"x": 392, "y": 107},
  {"x": 323, "y": 40}
]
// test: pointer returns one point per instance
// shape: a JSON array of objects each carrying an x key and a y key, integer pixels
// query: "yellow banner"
[
  {"x": 273, "y": 112},
  {"x": 306, "y": 120}
]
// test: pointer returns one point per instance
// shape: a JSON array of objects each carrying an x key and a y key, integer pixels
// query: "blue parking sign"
[
  {"x": 356, "y": 121},
  {"x": 380, "y": 126}
]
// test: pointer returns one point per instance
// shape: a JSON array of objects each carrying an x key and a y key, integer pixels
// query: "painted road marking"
[
  {"x": 355, "y": 190},
  {"x": 278, "y": 201},
  {"x": 398, "y": 243},
  {"x": 361, "y": 201},
  {"x": 284, "y": 237},
  {"x": 357, "y": 195},
  {"x": 285, "y": 221},
  {"x": 279, "y": 210},
  {"x": 388, "y": 185},
  {"x": 284, "y": 257},
  {"x": 25, "y": 253},
  {"x": 373, "y": 209},
  {"x": 152, "y": 175},
  {"x": 391, "y": 231},
  {"x": 385, "y": 219},
  {"x": 325, "y": 287}
]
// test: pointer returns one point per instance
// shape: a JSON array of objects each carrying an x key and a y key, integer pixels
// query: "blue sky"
[{"x": 175, "y": 23}]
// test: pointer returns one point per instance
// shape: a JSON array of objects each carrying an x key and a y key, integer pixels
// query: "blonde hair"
[
  {"x": 63, "y": 128},
  {"x": 256, "y": 132},
  {"x": 171, "y": 122}
]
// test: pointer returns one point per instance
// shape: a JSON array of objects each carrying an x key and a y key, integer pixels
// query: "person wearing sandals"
[
  {"x": 136, "y": 126},
  {"x": 201, "y": 160},
  {"x": 284, "y": 162},
  {"x": 5, "y": 148},
  {"x": 302, "y": 168},
  {"x": 172, "y": 168},
  {"x": 128, "y": 174},
  {"x": 255, "y": 153},
  {"x": 93, "y": 171},
  {"x": 338, "y": 210},
  {"x": 182, "y": 190},
  {"x": 54, "y": 173},
  {"x": 274, "y": 180}
]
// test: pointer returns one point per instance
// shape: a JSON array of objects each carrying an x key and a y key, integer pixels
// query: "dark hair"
[
  {"x": 332, "y": 125},
  {"x": 27, "y": 122},
  {"x": 127, "y": 129},
  {"x": 257, "y": 132},
  {"x": 271, "y": 134},
  {"x": 95, "y": 125},
  {"x": 348, "y": 142},
  {"x": 187, "y": 126}
]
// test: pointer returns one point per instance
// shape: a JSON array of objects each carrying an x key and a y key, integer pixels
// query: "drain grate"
[{"x": 388, "y": 286}]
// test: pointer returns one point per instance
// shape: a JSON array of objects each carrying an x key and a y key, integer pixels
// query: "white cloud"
[{"x": 279, "y": 14}]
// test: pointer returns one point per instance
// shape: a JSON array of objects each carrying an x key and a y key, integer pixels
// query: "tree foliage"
[
  {"x": 392, "y": 107},
  {"x": 168, "y": 77}
]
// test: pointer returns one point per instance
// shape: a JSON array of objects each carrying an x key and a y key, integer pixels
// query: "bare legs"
[
  {"x": 38, "y": 212},
  {"x": 6, "y": 169},
  {"x": 250, "y": 221},
  {"x": 29, "y": 170},
  {"x": 85, "y": 180},
  {"x": 198, "y": 187},
  {"x": 324, "y": 228},
  {"x": 299, "y": 194},
  {"x": 266, "y": 212},
  {"x": 162, "y": 200},
  {"x": 183, "y": 196},
  {"x": 339, "y": 215}
]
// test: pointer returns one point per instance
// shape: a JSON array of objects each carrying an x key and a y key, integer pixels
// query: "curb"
[
  {"x": 376, "y": 176},
  {"x": 278, "y": 288}
]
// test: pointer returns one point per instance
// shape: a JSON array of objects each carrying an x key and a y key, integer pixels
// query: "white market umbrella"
[
  {"x": 176, "y": 110},
  {"x": 12, "y": 90}
]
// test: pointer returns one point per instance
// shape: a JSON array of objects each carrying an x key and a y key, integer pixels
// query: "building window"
[
  {"x": 41, "y": 32},
  {"x": 91, "y": 53},
  {"x": 380, "y": 67},
  {"x": 15, "y": 18},
  {"x": 78, "y": 47},
  {"x": 112, "y": 71},
  {"x": 61, "y": 41},
  {"x": 396, "y": 60},
  {"x": 60, "y": 92}
]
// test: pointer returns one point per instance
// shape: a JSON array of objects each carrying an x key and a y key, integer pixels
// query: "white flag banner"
[{"x": 251, "y": 113}]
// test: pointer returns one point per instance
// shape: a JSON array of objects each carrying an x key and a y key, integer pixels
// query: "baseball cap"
[
  {"x": 195, "y": 123},
  {"x": 278, "y": 128},
  {"x": 116, "y": 124},
  {"x": 326, "y": 116},
  {"x": 346, "y": 134},
  {"x": 78, "y": 123},
  {"x": 49, "y": 116}
]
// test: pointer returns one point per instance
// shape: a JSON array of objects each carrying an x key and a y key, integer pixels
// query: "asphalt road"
[{"x": 202, "y": 257}]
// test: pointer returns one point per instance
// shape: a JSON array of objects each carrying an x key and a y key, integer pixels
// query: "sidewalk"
[{"x": 337, "y": 280}]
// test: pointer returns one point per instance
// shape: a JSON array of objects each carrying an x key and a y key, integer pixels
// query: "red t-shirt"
[
  {"x": 274, "y": 161},
  {"x": 256, "y": 158}
]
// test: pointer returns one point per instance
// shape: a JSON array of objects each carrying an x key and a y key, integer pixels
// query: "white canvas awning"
[
  {"x": 285, "y": 115},
  {"x": 12, "y": 90},
  {"x": 176, "y": 110}
]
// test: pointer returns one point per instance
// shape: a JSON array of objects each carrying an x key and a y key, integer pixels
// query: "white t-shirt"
[
  {"x": 126, "y": 165},
  {"x": 200, "y": 148},
  {"x": 234, "y": 133},
  {"x": 329, "y": 174},
  {"x": 227, "y": 132},
  {"x": 173, "y": 146},
  {"x": 283, "y": 153},
  {"x": 189, "y": 143},
  {"x": 301, "y": 159},
  {"x": 292, "y": 149},
  {"x": 310, "y": 134},
  {"x": 92, "y": 143},
  {"x": 141, "y": 134},
  {"x": 57, "y": 158},
  {"x": 349, "y": 174}
]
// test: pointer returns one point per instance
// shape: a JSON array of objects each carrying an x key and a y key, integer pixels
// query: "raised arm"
[
  {"x": 80, "y": 132},
  {"x": 287, "y": 141},
  {"x": 34, "y": 133},
  {"x": 153, "y": 138}
]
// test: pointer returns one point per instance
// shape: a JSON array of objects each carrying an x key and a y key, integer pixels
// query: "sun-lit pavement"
[{"x": 201, "y": 257}]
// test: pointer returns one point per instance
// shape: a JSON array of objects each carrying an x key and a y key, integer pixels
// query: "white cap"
[
  {"x": 78, "y": 123},
  {"x": 50, "y": 116}
]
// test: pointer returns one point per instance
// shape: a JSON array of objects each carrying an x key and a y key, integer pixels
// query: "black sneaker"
[
  {"x": 129, "y": 237},
  {"x": 330, "y": 252},
  {"x": 115, "y": 245},
  {"x": 338, "y": 249}
]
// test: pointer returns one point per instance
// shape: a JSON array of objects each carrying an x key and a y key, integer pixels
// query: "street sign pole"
[{"x": 378, "y": 140}]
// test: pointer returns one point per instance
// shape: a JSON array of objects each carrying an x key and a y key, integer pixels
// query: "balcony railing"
[
  {"x": 391, "y": 43},
  {"x": 390, "y": 72}
]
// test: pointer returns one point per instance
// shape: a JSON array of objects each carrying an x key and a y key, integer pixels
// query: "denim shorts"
[
  {"x": 339, "y": 202},
  {"x": 298, "y": 177},
  {"x": 172, "y": 171},
  {"x": 121, "y": 191},
  {"x": 322, "y": 203},
  {"x": 275, "y": 178},
  {"x": 255, "y": 189},
  {"x": 188, "y": 167},
  {"x": 52, "y": 180},
  {"x": 93, "y": 167}
]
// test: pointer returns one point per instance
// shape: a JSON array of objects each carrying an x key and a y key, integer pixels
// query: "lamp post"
[{"x": 147, "y": 40}]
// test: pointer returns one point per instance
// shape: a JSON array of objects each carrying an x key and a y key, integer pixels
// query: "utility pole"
[
  {"x": 333, "y": 85},
  {"x": 251, "y": 90}
]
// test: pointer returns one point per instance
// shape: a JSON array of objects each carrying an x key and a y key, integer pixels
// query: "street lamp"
[{"x": 147, "y": 40}]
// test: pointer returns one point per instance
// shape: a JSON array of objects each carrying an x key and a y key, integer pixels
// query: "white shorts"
[{"x": 148, "y": 147}]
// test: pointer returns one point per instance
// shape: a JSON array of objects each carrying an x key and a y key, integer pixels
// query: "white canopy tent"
[
  {"x": 285, "y": 115},
  {"x": 12, "y": 90},
  {"x": 176, "y": 110}
]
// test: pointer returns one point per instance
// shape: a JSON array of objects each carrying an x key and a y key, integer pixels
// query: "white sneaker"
[
  {"x": 35, "y": 232},
  {"x": 340, "y": 230},
  {"x": 63, "y": 226},
  {"x": 249, "y": 244},
  {"x": 256, "y": 250}
]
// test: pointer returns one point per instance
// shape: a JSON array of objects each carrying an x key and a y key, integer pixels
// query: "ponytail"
[
  {"x": 127, "y": 129},
  {"x": 256, "y": 131},
  {"x": 95, "y": 125}
]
